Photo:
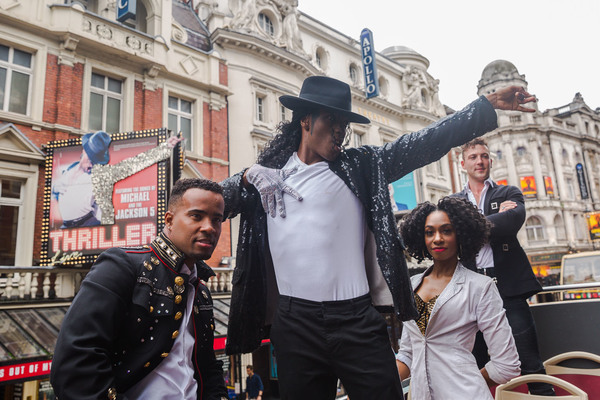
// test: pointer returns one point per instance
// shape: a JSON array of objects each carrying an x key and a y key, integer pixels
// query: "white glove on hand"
[{"x": 270, "y": 184}]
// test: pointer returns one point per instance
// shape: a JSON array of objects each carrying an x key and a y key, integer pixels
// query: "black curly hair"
[{"x": 471, "y": 227}]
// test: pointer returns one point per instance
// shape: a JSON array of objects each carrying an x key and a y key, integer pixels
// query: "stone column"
[
  {"x": 537, "y": 169},
  {"x": 513, "y": 178},
  {"x": 559, "y": 186}
]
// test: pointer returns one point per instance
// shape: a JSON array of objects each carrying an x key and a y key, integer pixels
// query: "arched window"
[
  {"x": 266, "y": 24},
  {"x": 321, "y": 58},
  {"x": 534, "y": 229},
  {"x": 521, "y": 151},
  {"x": 559, "y": 227},
  {"x": 383, "y": 86},
  {"x": 353, "y": 72}
]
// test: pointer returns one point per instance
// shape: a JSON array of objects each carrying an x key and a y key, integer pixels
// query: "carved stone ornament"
[
  {"x": 104, "y": 32},
  {"x": 133, "y": 42},
  {"x": 178, "y": 33}
]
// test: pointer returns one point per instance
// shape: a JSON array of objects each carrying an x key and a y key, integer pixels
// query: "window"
[
  {"x": 260, "y": 108},
  {"x": 15, "y": 79},
  {"x": 499, "y": 154},
  {"x": 321, "y": 58},
  {"x": 521, "y": 151},
  {"x": 570, "y": 189},
  {"x": 266, "y": 24},
  {"x": 106, "y": 98},
  {"x": 383, "y": 86},
  {"x": 514, "y": 119},
  {"x": 180, "y": 119},
  {"x": 560, "y": 228},
  {"x": 353, "y": 72},
  {"x": 10, "y": 206},
  {"x": 282, "y": 113},
  {"x": 534, "y": 229}
]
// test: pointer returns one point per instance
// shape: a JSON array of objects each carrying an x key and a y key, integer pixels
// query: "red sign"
[
  {"x": 111, "y": 199},
  {"x": 34, "y": 369}
]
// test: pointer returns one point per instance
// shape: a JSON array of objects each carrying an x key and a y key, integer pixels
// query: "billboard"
[
  {"x": 402, "y": 193},
  {"x": 528, "y": 186},
  {"x": 549, "y": 186},
  {"x": 104, "y": 191},
  {"x": 594, "y": 225},
  {"x": 502, "y": 182}
]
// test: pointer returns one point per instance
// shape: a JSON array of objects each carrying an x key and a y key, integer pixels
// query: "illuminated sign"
[
  {"x": 36, "y": 369},
  {"x": 119, "y": 201},
  {"x": 369, "y": 65},
  {"x": 126, "y": 9},
  {"x": 502, "y": 182},
  {"x": 582, "y": 183}
]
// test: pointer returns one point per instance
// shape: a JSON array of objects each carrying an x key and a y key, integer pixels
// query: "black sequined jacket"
[
  {"x": 367, "y": 171},
  {"x": 124, "y": 320}
]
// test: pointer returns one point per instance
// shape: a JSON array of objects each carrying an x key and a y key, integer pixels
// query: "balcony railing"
[{"x": 57, "y": 284}]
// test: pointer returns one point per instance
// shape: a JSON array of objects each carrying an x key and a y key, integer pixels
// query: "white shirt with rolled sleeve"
[{"x": 440, "y": 362}]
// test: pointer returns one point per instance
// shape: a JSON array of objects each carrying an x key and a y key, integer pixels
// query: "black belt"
[
  {"x": 491, "y": 272},
  {"x": 78, "y": 221}
]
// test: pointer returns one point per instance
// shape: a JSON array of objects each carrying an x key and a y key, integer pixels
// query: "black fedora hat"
[
  {"x": 96, "y": 146},
  {"x": 327, "y": 93}
]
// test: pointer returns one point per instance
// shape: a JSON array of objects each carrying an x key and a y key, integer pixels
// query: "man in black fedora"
[
  {"x": 84, "y": 189},
  {"x": 317, "y": 275}
]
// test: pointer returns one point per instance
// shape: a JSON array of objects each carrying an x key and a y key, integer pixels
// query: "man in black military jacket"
[
  {"x": 503, "y": 258},
  {"x": 141, "y": 327}
]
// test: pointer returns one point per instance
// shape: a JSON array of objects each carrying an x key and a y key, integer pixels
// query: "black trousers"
[{"x": 318, "y": 342}]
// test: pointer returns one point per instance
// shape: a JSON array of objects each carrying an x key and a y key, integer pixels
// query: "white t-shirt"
[{"x": 318, "y": 248}]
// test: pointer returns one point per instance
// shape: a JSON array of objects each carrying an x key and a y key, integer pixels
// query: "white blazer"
[{"x": 441, "y": 363}]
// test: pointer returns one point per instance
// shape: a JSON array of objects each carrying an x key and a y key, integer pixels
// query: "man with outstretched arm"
[{"x": 316, "y": 276}]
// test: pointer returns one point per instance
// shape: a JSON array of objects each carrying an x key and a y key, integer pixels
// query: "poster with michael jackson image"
[{"x": 105, "y": 191}]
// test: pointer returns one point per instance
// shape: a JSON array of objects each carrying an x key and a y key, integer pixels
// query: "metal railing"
[
  {"x": 59, "y": 284},
  {"x": 554, "y": 293}
]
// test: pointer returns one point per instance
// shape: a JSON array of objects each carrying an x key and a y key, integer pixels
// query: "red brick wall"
[
  {"x": 147, "y": 108},
  {"x": 63, "y": 93},
  {"x": 223, "y": 74}
]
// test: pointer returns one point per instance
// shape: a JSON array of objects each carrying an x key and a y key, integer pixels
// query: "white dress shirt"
[
  {"x": 485, "y": 257},
  {"x": 440, "y": 362}
]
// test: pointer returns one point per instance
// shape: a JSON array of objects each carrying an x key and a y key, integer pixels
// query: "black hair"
[
  {"x": 471, "y": 227},
  {"x": 183, "y": 185},
  {"x": 277, "y": 152}
]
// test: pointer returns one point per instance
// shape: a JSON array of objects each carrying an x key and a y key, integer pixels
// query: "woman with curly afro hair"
[{"x": 453, "y": 303}]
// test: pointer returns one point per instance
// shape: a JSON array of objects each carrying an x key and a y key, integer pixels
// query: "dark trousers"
[
  {"x": 318, "y": 342},
  {"x": 523, "y": 329}
]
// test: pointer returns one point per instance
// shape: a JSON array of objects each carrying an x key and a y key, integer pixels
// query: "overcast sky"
[{"x": 555, "y": 43}]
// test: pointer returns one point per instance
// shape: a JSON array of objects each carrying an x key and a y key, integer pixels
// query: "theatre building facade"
[{"x": 68, "y": 69}]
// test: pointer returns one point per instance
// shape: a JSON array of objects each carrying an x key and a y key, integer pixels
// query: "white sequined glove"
[{"x": 270, "y": 184}]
